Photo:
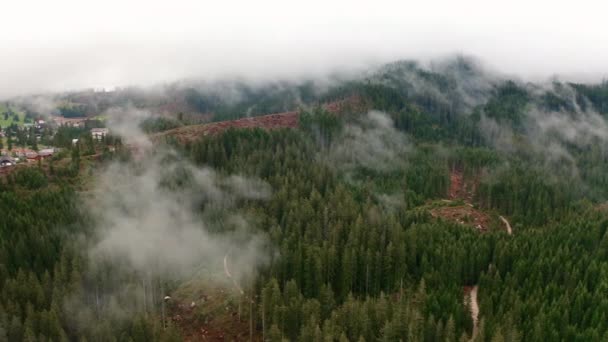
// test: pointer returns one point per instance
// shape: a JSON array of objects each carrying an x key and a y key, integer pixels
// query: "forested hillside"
[{"x": 363, "y": 224}]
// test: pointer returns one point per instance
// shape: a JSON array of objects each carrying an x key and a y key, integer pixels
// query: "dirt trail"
[
  {"x": 504, "y": 220},
  {"x": 464, "y": 215},
  {"x": 472, "y": 291},
  {"x": 474, "y": 304},
  {"x": 459, "y": 190},
  {"x": 470, "y": 298},
  {"x": 230, "y": 275}
]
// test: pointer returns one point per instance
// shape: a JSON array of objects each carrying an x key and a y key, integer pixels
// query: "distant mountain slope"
[{"x": 269, "y": 121}]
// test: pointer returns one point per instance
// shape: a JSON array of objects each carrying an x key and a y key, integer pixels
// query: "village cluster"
[{"x": 13, "y": 155}]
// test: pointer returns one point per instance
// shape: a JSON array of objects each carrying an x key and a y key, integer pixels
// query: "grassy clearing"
[{"x": 9, "y": 121}]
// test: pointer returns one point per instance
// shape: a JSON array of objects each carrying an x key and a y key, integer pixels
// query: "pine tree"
[
  {"x": 450, "y": 330},
  {"x": 3, "y": 333},
  {"x": 327, "y": 300},
  {"x": 15, "y": 330},
  {"x": 274, "y": 335},
  {"x": 498, "y": 336}
]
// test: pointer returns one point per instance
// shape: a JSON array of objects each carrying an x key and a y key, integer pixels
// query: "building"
[
  {"x": 71, "y": 122},
  {"x": 21, "y": 152},
  {"x": 31, "y": 156},
  {"x": 46, "y": 152},
  {"x": 99, "y": 133},
  {"x": 6, "y": 161},
  {"x": 39, "y": 123}
]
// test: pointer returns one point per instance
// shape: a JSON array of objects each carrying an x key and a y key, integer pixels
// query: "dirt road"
[
  {"x": 472, "y": 296},
  {"x": 504, "y": 220},
  {"x": 474, "y": 308},
  {"x": 230, "y": 275},
  {"x": 470, "y": 299}
]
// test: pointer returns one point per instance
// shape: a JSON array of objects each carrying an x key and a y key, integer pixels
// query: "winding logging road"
[
  {"x": 230, "y": 275},
  {"x": 504, "y": 220},
  {"x": 455, "y": 192},
  {"x": 474, "y": 305}
]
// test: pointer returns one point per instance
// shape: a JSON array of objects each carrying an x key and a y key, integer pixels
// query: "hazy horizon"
[{"x": 69, "y": 45}]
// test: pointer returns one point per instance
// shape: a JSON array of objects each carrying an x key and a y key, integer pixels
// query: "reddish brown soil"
[
  {"x": 459, "y": 189},
  {"x": 212, "y": 319},
  {"x": 7, "y": 170},
  {"x": 347, "y": 104},
  {"x": 455, "y": 184},
  {"x": 463, "y": 214},
  {"x": 270, "y": 121}
]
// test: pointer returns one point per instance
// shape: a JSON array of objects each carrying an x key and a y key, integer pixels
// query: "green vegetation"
[
  {"x": 251, "y": 100},
  {"x": 159, "y": 124},
  {"x": 355, "y": 253},
  {"x": 10, "y": 115},
  {"x": 73, "y": 110}
]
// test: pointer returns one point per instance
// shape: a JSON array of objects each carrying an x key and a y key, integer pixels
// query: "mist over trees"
[{"x": 354, "y": 253}]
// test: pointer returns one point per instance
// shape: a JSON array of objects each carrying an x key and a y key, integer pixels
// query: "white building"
[
  {"x": 99, "y": 133},
  {"x": 46, "y": 152}
]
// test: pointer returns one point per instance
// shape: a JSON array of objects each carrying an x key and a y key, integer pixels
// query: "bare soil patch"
[
  {"x": 463, "y": 214},
  {"x": 459, "y": 188},
  {"x": 211, "y": 314},
  {"x": 270, "y": 121},
  {"x": 191, "y": 133}
]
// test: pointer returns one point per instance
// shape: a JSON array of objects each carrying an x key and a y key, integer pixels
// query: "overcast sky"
[{"x": 70, "y": 44}]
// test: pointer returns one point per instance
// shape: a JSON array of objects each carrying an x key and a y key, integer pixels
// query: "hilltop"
[{"x": 419, "y": 202}]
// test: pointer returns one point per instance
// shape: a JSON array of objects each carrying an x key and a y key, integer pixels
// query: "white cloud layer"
[{"x": 67, "y": 44}]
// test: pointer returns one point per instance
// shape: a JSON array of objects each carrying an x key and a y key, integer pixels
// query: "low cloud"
[
  {"x": 125, "y": 122},
  {"x": 156, "y": 229},
  {"x": 551, "y": 135},
  {"x": 186, "y": 38},
  {"x": 372, "y": 143},
  {"x": 580, "y": 128},
  {"x": 164, "y": 216}
]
